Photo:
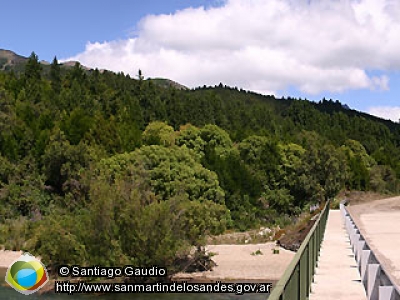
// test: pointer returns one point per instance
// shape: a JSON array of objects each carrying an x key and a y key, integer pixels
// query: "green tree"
[
  {"x": 33, "y": 78},
  {"x": 171, "y": 171},
  {"x": 63, "y": 162},
  {"x": 33, "y": 68},
  {"x": 279, "y": 199},
  {"x": 103, "y": 133},
  {"x": 216, "y": 138},
  {"x": 262, "y": 155},
  {"x": 159, "y": 133},
  {"x": 76, "y": 125},
  {"x": 360, "y": 164},
  {"x": 57, "y": 239},
  {"x": 55, "y": 76}
]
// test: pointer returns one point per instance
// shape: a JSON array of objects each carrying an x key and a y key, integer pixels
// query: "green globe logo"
[{"x": 27, "y": 274}]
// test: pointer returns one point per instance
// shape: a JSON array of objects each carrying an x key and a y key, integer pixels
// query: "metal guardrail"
[
  {"x": 377, "y": 282},
  {"x": 296, "y": 282}
]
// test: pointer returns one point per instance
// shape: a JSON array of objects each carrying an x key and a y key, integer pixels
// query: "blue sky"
[
  {"x": 62, "y": 28},
  {"x": 345, "y": 50}
]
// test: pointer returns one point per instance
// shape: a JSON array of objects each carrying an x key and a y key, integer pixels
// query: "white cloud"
[
  {"x": 319, "y": 45},
  {"x": 386, "y": 112},
  {"x": 380, "y": 82}
]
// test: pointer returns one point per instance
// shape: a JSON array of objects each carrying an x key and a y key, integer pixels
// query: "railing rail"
[{"x": 296, "y": 282}]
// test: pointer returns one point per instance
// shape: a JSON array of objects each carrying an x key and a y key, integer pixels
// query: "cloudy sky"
[{"x": 340, "y": 49}]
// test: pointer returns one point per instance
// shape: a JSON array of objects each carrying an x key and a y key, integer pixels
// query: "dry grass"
[{"x": 293, "y": 235}]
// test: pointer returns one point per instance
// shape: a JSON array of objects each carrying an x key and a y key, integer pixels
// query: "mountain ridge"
[{"x": 11, "y": 61}]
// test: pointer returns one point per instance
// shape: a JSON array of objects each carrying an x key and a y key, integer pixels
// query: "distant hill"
[
  {"x": 11, "y": 61},
  {"x": 167, "y": 83}
]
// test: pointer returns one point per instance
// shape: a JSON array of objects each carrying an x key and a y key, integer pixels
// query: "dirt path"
[
  {"x": 7, "y": 257},
  {"x": 240, "y": 262},
  {"x": 251, "y": 262}
]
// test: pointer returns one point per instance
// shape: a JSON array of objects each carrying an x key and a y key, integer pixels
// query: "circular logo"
[{"x": 27, "y": 274}]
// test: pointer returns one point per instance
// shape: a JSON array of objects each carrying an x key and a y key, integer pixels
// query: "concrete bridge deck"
[
  {"x": 337, "y": 275},
  {"x": 379, "y": 223}
]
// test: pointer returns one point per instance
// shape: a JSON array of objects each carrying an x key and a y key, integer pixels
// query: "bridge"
[{"x": 350, "y": 254}]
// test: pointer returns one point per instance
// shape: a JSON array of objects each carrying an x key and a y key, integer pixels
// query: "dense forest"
[{"x": 98, "y": 168}]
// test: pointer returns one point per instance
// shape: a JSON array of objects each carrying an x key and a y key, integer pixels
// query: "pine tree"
[
  {"x": 33, "y": 68},
  {"x": 55, "y": 75},
  {"x": 33, "y": 78}
]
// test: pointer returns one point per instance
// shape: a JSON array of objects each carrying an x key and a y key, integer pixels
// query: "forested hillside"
[{"x": 101, "y": 168}]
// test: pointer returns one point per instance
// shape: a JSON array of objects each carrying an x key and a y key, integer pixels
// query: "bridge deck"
[
  {"x": 379, "y": 223},
  {"x": 337, "y": 274}
]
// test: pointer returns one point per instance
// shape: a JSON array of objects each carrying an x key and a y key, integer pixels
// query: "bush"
[{"x": 14, "y": 233}]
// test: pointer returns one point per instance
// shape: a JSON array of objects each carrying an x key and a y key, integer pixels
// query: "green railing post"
[
  {"x": 303, "y": 277},
  {"x": 295, "y": 283},
  {"x": 315, "y": 251},
  {"x": 311, "y": 263},
  {"x": 308, "y": 282}
]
